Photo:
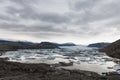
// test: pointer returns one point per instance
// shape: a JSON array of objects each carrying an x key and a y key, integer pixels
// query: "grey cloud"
[
  {"x": 27, "y": 12},
  {"x": 95, "y": 10},
  {"x": 7, "y": 18},
  {"x": 47, "y": 17},
  {"x": 42, "y": 35},
  {"x": 84, "y": 18},
  {"x": 33, "y": 29},
  {"x": 12, "y": 27},
  {"x": 82, "y": 4}
]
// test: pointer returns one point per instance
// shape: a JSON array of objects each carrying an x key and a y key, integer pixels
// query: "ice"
[
  {"x": 116, "y": 67},
  {"x": 91, "y": 67},
  {"x": 76, "y": 48},
  {"x": 77, "y": 62},
  {"x": 84, "y": 58},
  {"x": 22, "y": 58}
]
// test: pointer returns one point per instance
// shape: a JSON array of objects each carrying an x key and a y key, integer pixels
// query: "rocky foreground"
[{"x": 20, "y": 71}]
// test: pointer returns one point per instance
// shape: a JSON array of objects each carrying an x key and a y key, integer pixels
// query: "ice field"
[{"x": 83, "y": 58}]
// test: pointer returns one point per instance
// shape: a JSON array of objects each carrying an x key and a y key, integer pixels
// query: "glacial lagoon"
[{"x": 83, "y": 58}]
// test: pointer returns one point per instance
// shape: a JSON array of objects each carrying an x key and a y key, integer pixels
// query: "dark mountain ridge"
[
  {"x": 14, "y": 45},
  {"x": 113, "y": 49},
  {"x": 63, "y": 44},
  {"x": 99, "y": 45}
]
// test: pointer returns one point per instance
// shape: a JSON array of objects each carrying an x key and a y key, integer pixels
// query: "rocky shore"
[{"x": 20, "y": 71}]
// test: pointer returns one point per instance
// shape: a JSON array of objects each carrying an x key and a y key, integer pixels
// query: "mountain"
[
  {"x": 14, "y": 45},
  {"x": 48, "y": 43},
  {"x": 99, "y": 45},
  {"x": 113, "y": 49},
  {"x": 56, "y": 44},
  {"x": 67, "y": 44},
  {"x": 19, "y": 43}
]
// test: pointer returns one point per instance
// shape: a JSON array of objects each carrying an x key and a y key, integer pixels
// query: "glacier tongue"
[{"x": 83, "y": 58}]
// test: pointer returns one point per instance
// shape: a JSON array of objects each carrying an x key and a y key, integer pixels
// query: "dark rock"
[
  {"x": 113, "y": 50},
  {"x": 66, "y": 64}
]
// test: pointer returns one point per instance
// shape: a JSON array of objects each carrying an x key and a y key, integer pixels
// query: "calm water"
[{"x": 84, "y": 58}]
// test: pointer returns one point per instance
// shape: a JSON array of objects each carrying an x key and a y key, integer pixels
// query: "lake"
[{"x": 83, "y": 58}]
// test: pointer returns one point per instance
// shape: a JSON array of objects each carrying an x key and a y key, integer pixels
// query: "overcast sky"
[{"x": 78, "y": 21}]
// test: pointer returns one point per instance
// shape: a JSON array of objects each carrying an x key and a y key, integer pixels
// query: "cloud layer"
[{"x": 79, "y": 21}]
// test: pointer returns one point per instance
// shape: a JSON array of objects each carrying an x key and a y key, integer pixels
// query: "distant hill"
[
  {"x": 19, "y": 43},
  {"x": 56, "y": 44},
  {"x": 14, "y": 45},
  {"x": 99, "y": 45},
  {"x": 67, "y": 44},
  {"x": 113, "y": 49}
]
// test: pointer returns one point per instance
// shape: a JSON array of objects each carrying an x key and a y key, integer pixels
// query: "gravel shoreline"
[{"x": 20, "y": 71}]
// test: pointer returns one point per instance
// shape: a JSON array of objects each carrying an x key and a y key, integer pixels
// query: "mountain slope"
[
  {"x": 14, "y": 45},
  {"x": 113, "y": 49},
  {"x": 56, "y": 44},
  {"x": 99, "y": 45},
  {"x": 19, "y": 43}
]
